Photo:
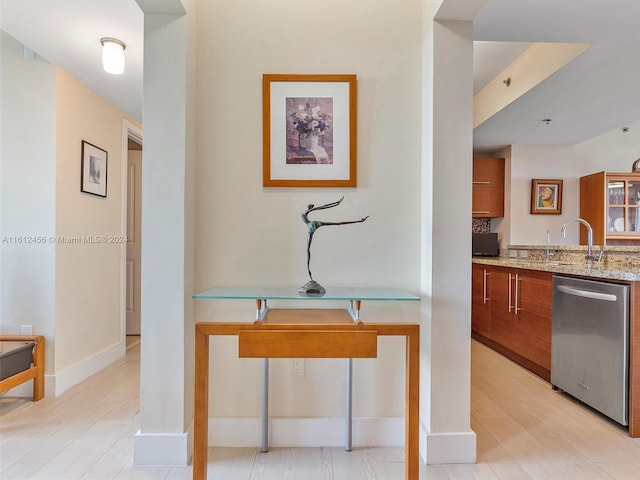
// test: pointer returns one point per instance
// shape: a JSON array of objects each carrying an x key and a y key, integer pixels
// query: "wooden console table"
[{"x": 306, "y": 333}]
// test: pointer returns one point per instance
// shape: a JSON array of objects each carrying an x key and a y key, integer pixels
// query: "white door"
[{"x": 134, "y": 211}]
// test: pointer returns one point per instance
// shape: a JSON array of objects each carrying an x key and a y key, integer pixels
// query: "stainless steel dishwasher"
[{"x": 590, "y": 343}]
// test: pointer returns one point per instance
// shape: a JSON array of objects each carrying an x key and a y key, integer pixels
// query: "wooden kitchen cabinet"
[
  {"x": 610, "y": 202},
  {"x": 524, "y": 335},
  {"x": 532, "y": 312},
  {"x": 503, "y": 329},
  {"x": 516, "y": 319},
  {"x": 481, "y": 299},
  {"x": 488, "y": 187}
]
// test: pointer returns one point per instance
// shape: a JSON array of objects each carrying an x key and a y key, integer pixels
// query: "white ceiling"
[
  {"x": 68, "y": 33},
  {"x": 596, "y": 93}
]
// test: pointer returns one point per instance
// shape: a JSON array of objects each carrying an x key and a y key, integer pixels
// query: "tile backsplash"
[{"x": 481, "y": 225}]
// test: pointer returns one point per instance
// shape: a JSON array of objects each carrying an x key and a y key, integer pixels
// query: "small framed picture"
[
  {"x": 546, "y": 196},
  {"x": 309, "y": 130},
  {"x": 93, "y": 170}
]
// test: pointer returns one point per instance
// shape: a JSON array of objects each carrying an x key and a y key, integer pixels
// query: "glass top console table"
[{"x": 306, "y": 333}]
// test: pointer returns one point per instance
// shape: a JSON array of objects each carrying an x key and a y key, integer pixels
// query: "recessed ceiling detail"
[{"x": 534, "y": 65}]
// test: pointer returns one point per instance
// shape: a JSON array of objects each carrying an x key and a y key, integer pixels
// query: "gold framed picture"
[
  {"x": 309, "y": 130},
  {"x": 546, "y": 196}
]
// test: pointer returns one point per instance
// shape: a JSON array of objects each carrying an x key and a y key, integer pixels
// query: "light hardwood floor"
[{"x": 526, "y": 431}]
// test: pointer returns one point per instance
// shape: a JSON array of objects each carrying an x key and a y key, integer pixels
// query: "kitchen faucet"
[
  {"x": 590, "y": 256},
  {"x": 549, "y": 254}
]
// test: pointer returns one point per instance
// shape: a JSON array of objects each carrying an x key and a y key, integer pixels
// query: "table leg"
[
  {"x": 201, "y": 406},
  {"x": 265, "y": 405},
  {"x": 412, "y": 415},
  {"x": 349, "y": 416}
]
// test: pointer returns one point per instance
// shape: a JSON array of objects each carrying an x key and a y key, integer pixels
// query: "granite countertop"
[{"x": 579, "y": 268}]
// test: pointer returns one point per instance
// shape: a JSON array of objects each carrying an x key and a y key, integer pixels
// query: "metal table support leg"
[
  {"x": 349, "y": 404},
  {"x": 265, "y": 405}
]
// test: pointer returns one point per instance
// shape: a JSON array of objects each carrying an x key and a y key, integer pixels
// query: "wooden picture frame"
[
  {"x": 93, "y": 170},
  {"x": 309, "y": 130},
  {"x": 546, "y": 196}
]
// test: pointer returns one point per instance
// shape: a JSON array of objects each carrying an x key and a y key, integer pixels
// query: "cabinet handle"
[
  {"x": 484, "y": 286},
  {"x": 516, "y": 307},
  {"x": 477, "y": 182},
  {"x": 510, "y": 307},
  {"x": 479, "y": 211}
]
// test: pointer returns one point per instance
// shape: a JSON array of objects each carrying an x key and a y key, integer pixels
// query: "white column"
[
  {"x": 166, "y": 365},
  {"x": 446, "y": 435}
]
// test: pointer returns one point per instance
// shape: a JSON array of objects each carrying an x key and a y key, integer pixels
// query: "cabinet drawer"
[{"x": 307, "y": 344}]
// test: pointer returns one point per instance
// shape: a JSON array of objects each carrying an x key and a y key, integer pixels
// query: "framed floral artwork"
[
  {"x": 309, "y": 130},
  {"x": 93, "y": 170},
  {"x": 546, "y": 196}
]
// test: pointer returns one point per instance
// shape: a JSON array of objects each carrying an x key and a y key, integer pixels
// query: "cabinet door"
[
  {"x": 532, "y": 312},
  {"x": 610, "y": 202},
  {"x": 488, "y": 187},
  {"x": 519, "y": 314},
  {"x": 480, "y": 300},
  {"x": 632, "y": 223},
  {"x": 623, "y": 212},
  {"x": 592, "y": 207},
  {"x": 503, "y": 324}
]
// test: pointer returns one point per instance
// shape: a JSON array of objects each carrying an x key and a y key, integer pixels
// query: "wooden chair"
[{"x": 35, "y": 371}]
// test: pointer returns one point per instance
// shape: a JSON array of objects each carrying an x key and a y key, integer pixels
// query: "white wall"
[
  {"x": 250, "y": 235},
  {"x": 613, "y": 152},
  {"x": 542, "y": 162},
  {"x": 69, "y": 292},
  {"x": 88, "y": 275},
  {"x": 27, "y": 193}
]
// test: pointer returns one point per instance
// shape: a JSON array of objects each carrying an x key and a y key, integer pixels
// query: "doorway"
[{"x": 133, "y": 231}]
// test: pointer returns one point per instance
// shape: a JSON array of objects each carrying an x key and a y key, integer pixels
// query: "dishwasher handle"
[{"x": 587, "y": 294}]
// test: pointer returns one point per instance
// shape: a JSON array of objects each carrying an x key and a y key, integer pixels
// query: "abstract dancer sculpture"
[{"x": 312, "y": 287}]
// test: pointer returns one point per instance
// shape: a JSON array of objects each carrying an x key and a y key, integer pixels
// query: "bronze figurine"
[{"x": 312, "y": 287}]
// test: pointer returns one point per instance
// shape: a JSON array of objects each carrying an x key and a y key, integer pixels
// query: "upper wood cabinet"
[
  {"x": 488, "y": 187},
  {"x": 610, "y": 202}
]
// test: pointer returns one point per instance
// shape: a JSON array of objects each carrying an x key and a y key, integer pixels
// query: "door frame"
[{"x": 133, "y": 132}]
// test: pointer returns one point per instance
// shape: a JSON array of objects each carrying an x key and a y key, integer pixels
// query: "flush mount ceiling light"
[{"x": 113, "y": 55}]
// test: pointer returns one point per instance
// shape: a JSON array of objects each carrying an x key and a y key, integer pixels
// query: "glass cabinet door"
[
  {"x": 616, "y": 192},
  {"x": 633, "y": 200},
  {"x": 623, "y": 213},
  {"x": 616, "y": 212}
]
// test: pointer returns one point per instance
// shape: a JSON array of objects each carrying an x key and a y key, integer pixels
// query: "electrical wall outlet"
[
  {"x": 513, "y": 254},
  {"x": 524, "y": 254},
  {"x": 298, "y": 367},
  {"x": 26, "y": 329}
]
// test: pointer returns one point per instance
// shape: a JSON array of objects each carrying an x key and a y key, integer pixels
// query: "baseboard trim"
[
  {"x": 61, "y": 382},
  {"x": 162, "y": 449},
  {"x": 306, "y": 432},
  {"x": 55, "y": 385},
  {"x": 448, "y": 447}
]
